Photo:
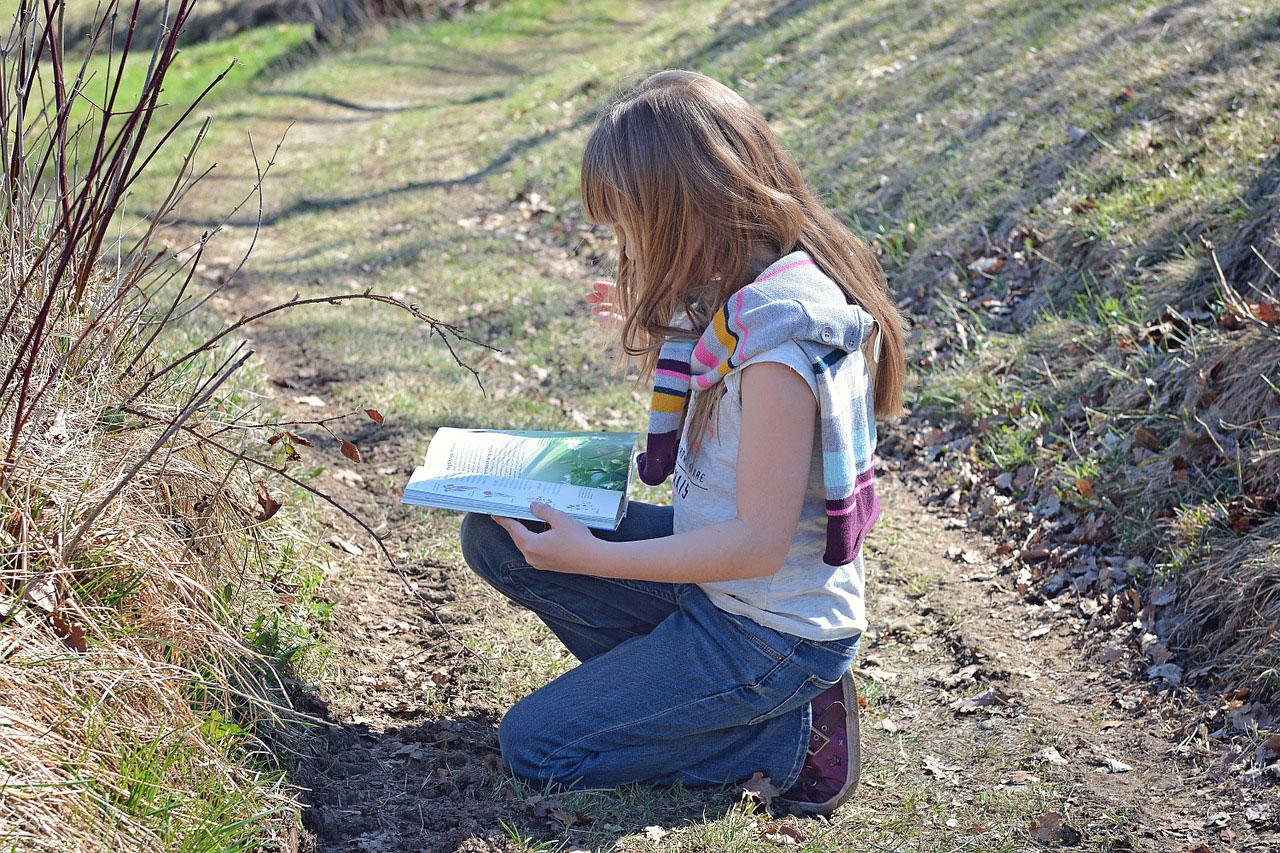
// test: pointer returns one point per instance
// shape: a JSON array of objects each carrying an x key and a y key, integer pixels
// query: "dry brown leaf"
[
  {"x": 347, "y": 477},
  {"x": 793, "y": 832},
  {"x": 1147, "y": 438},
  {"x": 270, "y": 506},
  {"x": 1266, "y": 311},
  {"x": 350, "y": 451},
  {"x": 374, "y": 415},
  {"x": 72, "y": 635},
  {"x": 1051, "y": 828},
  {"x": 1051, "y": 755}
]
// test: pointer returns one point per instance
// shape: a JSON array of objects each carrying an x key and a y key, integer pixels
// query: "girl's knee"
[
  {"x": 530, "y": 746},
  {"x": 520, "y": 736}
]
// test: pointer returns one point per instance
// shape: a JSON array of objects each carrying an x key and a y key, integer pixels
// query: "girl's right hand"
[{"x": 602, "y": 306}]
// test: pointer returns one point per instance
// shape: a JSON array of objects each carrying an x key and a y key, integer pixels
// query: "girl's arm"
[{"x": 774, "y": 451}]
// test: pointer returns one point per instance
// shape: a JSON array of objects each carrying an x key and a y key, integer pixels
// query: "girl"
[{"x": 715, "y": 635}]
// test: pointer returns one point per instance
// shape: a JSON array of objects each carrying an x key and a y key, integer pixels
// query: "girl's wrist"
[{"x": 593, "y": 556}]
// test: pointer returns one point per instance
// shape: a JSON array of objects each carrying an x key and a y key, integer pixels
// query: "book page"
[
  {"x": 514, "y": 494},
  {"x": 595, "y": 460},
  {"x": 501, "y": 472}
]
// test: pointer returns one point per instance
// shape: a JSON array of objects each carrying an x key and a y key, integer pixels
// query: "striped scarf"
[{"x": 791, "y": 300}]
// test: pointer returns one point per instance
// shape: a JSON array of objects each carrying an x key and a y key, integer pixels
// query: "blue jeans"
[{"x": 670, "y": 687}]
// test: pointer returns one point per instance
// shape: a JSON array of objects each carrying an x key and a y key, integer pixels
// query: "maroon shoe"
[{"x": 831, "y": 768}]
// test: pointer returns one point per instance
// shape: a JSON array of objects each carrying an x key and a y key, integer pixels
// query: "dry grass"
[
  {"x": 136, "y": 674},
  {"x": 143, "y": 618}
]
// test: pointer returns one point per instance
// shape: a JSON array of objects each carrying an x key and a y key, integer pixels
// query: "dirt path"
[{"x": 987, "y": 714}]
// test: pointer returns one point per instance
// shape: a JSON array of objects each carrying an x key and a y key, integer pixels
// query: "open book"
[{"x": 499, "y": 472}]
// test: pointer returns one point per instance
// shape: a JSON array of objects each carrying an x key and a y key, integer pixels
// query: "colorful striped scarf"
[{"x": 791, "y": 300}]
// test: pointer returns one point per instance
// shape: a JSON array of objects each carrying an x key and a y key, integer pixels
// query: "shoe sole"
[{"x": 853, "y": 736}]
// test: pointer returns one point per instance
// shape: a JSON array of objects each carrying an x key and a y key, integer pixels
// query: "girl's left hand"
[
  {"x": 601, "y": 301},
  {"x": 565, "y": 546}
]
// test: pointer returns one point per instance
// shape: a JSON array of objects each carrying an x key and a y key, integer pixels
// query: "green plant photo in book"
[{"x": 500, "y": 472}]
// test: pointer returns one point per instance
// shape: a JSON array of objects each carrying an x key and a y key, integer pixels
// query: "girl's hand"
[
  {"x": 602, "y": 306},
  {"x": 565, "y": 546}
]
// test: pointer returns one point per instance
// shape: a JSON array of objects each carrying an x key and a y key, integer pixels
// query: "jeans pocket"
[{"x": 768, "y": 641}]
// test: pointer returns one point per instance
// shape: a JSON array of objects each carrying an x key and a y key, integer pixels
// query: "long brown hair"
[{"x": 701, "y": 188}]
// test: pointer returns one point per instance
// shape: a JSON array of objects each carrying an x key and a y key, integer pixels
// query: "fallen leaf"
[
  {"x": 1257, "y": 812},
  {"x": 931, "y": 436},
  {"x": 992, "y": 696},
  {"x": 1170, "y": 672},
  {"x": 58, "y": 431},
  {"x": 1165, "y": 594},
  {"x": 1051, "y": 755},
  {"x": 1147, "y": 438},
  {"x": 343, "y": 545},
  {"x": 350, "y": 451},
  {"x": 781, "y": 832},
  {"x": 793, "y": 833},
  {"x": 759, "y": 787},
  {"x": 374, "y": 415},
  {"x": 1267, "y": 311},
  {"x": 1272, "y": 743},
  {"x": 72, "y": 635},
  {"x": 961, "y": 676},
  {"x": 310, "y": 400},
  {"x": 1051, "y": 828},
  {"x": 347, "y": 476},
  {"x": 1114, "y": 765},
  {"x": 938, "y": 768},
  {"x": 989, "y": 265},
  {"x": 43, "y": 593},
  {"x": 270, "y": 506}
]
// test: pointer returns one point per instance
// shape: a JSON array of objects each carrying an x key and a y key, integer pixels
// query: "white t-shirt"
[{"x": 807, "y": 597}]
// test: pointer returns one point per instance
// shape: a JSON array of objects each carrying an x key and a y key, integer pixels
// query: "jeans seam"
[
  {"x": 760, "y": 718},
  {"x": 802, "y": 749}
]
